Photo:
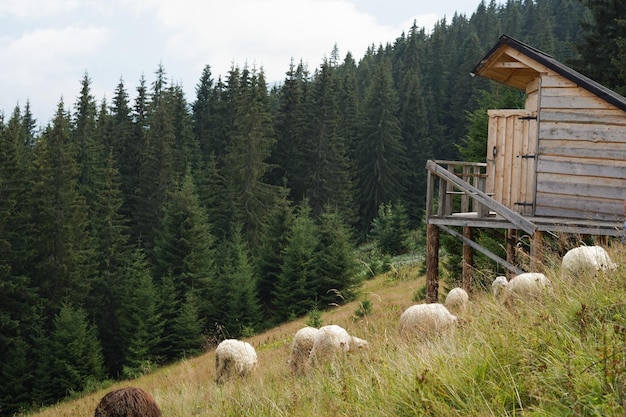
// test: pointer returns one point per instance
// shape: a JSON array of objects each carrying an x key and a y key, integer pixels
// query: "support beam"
[
  {"x": 482, "y": 250},
  {"x": 468, "y": 261},
  {"x": 432, "y": 263},
  {"x": 536, "y": 252},
  {"x": 511, "y": 241}
]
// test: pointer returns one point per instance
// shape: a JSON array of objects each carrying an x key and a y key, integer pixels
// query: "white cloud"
[
  {"x": 47, "y": 62},
  {"x": 43, "y": 52},
  {"x": 267, "y": 33},
  {"x": 35, "y": 9},
  {"x": 47, "y": 45}
]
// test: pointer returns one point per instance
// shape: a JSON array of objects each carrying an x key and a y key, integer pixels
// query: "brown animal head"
[{"x": 128, "y": 402}]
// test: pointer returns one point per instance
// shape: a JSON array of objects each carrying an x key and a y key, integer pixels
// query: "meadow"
[{"x": 562, "y": 356}]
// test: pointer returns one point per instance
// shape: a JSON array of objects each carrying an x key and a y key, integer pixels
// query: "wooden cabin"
[{"x": 557, "y": 165}]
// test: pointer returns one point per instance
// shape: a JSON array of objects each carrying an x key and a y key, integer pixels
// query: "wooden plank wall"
[{"x": 581, "y": 165}]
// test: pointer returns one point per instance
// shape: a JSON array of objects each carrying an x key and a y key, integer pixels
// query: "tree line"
[{"x": 140, "y": 230}]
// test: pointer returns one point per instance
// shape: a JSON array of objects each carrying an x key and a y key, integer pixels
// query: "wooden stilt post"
[
  {"x": 432, "y": 263},
  {"x": 511, "y": 241},
  {"x": 468, "y": 260},
  {"x": 536, "y": 252}
]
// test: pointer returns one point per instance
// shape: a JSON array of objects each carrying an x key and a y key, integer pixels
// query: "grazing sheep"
[
  {"x": 301, "y": 348},
  {"x": 127, "y": 402},
  {"x": 426, "y": 320},
  {"x": 333, "y": 340},
  {"x": 526, "y": 285},
  {"x": 456, "y": 300},
  {"x": 234, "y": 356},
  {"x": 587, "y": 260}
]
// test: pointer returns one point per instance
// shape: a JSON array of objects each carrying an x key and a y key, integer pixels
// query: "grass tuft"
[{"x": 562, "y": 355}]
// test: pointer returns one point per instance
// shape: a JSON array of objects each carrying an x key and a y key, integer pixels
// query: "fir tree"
[
  {"x": 390, "y": 229},
  {"x": 473, "y": 147},
  {"x": 287, "y": 153},
  {"x": 271, "y": 254},
  {"x": 414, "y": 123},
  {"x": 335, "y": 273},
  {"x": 184, "y": 245},
  {"x": 186, "y": 148},
  {"x": 77, "y": 360},
  {"x": 140, "y": 325},
  {"x": 18, "y": 297},
  {"x": 90, "y": 154},
  {"x": 15, "y": 176},
  {"x": 125, "y": 146},
  {"x": 17, "y": 315},
  {"x": 111, "y": 255},
  {"x": 137, "y": 199},
  {"x": 63, "y": 251},
  {"x": 381, "y": 155},
  {"x": 325, "y": 163},
  {"x": 184, "y": 265},
  {"x": 602, "y": 51},
  {"x": 158, "y": 162},
  {"x": 187, "y": 327},
  {"x": 203, "y": 113},
  {"x": 247, "y": 155},
  {"x": 168, "y": 307},
  {"x": 242, "y": 313},
  {"x": 293, "y": 296}
]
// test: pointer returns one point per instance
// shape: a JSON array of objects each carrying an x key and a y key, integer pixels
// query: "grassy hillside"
[{"x": 563, "y": 356}]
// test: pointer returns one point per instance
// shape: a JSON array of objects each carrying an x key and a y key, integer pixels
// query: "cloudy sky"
[{"x": 46, "y": 46}]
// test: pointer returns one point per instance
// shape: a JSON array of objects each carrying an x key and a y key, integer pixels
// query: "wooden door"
[{"x": 512, "y": 159}]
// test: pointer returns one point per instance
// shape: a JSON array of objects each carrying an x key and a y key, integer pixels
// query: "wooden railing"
[
  {"x": 461, "y": 185},
  {"x": 449, "y": 195}
]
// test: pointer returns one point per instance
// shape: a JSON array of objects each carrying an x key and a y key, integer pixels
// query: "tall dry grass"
[{"x": 563, "y": 355}]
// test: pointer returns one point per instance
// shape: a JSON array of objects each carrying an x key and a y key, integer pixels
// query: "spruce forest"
[{"x": 143, "y": 229}]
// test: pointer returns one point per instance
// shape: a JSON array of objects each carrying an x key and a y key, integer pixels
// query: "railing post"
[
  {"x": 481, "y": 210},
  {"x": 432, "y": 263},
  {"x": 442, "y": 210},
  {"x": 448, "y": 194},
  {"x": 465, "y": 200},
  {"x": 430, "y": 190}
]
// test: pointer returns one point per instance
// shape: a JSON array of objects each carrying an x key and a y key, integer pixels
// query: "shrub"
[
  {"x": 391, "y": 230},
  {"x": 364, "y": 309},
  {"x": 315, "y": 318}
]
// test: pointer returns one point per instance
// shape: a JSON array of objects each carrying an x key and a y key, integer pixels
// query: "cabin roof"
[{"x": 508, "y": 63}]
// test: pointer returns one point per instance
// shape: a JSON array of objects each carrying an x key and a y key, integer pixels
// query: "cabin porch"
[{"x": 457, "y": 196}]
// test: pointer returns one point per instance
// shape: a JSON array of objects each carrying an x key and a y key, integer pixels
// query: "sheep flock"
[
  {"x": 310, "y": 346},
  {"x": 418, "y": 322}
]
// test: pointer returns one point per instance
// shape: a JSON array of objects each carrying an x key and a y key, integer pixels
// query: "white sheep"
[
  {"x": 333, "y": 340},
  {"x": 456, "y": 300},
  {"x": 522, "y": 286},
  {"x": 301, "y": 348},
  {"x": 234, "y": 356},
  {"x": 586, "y": 260},
  {"x": 426, "y": 320}
]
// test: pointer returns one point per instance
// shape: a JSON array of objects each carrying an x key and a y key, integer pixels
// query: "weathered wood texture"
[
  {"x": 564, "y": 155},
  {"x": 468, "y": 261},
  {"x": 511, "y": 155},
  {"x": 581, "y": 162},
  {"x": 449, "y": 182},
  {"x": 432, "y": 263}
]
